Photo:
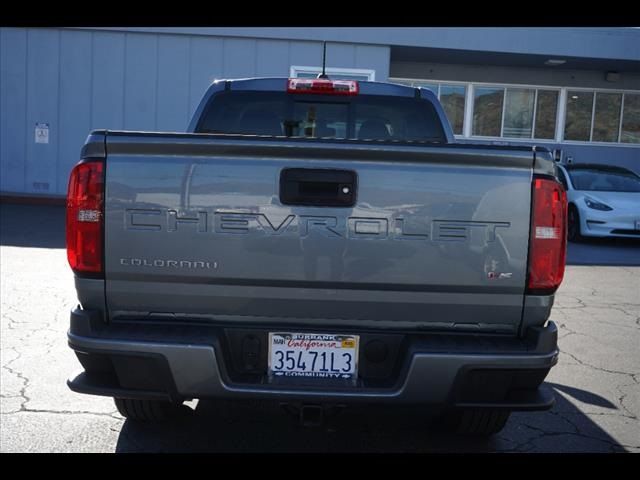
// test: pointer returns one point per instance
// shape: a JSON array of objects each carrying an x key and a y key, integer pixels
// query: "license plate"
[{"x": 313, "y": 355}]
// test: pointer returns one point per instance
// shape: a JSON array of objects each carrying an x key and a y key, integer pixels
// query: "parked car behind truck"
[
  {"x": 315, "y": 242},
  {"x": 604, "y": 201}
]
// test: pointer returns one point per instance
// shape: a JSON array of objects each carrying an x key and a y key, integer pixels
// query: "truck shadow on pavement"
[
  {"x": 251, "y": 426},
  {"x": 34, "y": 226}
]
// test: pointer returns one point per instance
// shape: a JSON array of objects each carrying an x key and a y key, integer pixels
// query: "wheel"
[
  {"x": 573, "y": 227},
  {"x": 148, "y": 410},
  {"x": 478, "y": 423}
]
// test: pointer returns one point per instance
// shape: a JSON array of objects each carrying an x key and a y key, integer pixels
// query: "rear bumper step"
[
  {"x": 107, "y": 385},
  {"x": 479, "y": 377},
  {"x": 522, "y": 400}
]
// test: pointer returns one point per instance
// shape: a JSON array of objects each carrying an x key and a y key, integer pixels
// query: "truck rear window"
[{"x": 363, "y": 117}]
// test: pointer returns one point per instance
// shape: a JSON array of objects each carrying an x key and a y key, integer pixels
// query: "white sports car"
[{"x": 603, "y": 201}]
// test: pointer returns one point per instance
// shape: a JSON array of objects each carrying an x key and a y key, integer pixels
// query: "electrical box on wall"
[{"x": 557, "y": 155}]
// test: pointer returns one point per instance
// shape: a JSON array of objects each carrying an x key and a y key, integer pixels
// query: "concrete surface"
[{"x": 596, "y": 380}]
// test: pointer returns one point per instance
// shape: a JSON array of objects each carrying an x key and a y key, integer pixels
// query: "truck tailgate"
[{"x": 195, "y": 229}]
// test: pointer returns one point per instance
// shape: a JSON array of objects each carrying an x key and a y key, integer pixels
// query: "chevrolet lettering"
[{"x": 304, "y": 225}]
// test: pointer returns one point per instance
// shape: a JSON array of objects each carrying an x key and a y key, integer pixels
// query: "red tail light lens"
[
  {"x": 322, "y": 86},
  {"x": 85, "y": 211},
  {"x": 548, "y": 246}
]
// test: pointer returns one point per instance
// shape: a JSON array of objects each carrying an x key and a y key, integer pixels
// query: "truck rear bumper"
[{"x": 471, "y": 372}]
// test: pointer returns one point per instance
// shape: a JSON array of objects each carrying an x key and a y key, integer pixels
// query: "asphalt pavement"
[{"x": 596, "y": 381}]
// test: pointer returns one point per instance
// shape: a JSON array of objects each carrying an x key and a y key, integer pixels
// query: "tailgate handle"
[{"x": 318, "y": 187}]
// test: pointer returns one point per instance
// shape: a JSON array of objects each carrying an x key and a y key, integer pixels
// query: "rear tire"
[
  {"x": 573, "y": 227},
  {"x": 476, "y": 423},
  {"x": 148, "y": 411}
]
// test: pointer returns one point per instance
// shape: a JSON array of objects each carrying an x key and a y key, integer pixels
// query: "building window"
[
  {"x": 487, "y": 111},
  {"x": 452, "y": 99},
  {"x": 513, "y": 112},
  {"x": 630, "y": 130},
  {"x": 531, "y": 112},
  {"x": 578, "y": 117},
  {"x": 546, "y": 114},
  {"x": 518, "y": 113},
  {"x": 334, "y": 73},
  {"x": 606, "y": 118},
  {"x": 602, "y": 117}
]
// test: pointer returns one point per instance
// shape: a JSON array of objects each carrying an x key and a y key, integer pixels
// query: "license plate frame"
[{"x": 317, "y": 367}]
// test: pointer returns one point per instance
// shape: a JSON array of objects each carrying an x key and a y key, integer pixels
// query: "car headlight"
[{"x": 597, "y": 205}]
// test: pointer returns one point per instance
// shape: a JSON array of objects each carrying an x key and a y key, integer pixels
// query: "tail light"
[
  {"x": 548, "y": 246},
  {"x": 85, "y": 212},
  {"x": 322, "y": 86}
]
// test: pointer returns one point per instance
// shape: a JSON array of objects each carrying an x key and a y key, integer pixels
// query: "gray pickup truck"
[{"x": 315, "y": 242}]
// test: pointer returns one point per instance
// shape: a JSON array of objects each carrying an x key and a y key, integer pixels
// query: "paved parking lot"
[{"x": 596, "y": 380}]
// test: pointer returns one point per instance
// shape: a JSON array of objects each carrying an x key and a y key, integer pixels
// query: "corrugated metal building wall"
[
  {"x": 78, "y": 80},
  {"x": 151, "y": 78}
]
